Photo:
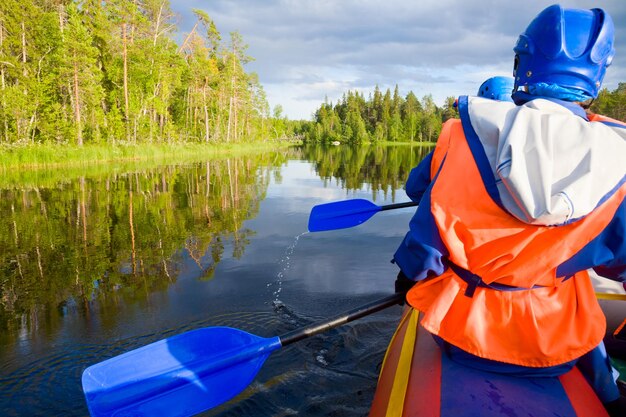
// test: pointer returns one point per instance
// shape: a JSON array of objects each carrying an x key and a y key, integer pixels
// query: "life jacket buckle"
[{"x": 473, "y": 281}]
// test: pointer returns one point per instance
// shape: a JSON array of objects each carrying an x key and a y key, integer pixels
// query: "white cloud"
[{"x": 307, "y": 50}]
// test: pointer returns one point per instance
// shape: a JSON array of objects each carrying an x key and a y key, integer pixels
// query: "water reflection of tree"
[
  {"x": 93, "y": 242},
  {"x": 380, "y": 168}
]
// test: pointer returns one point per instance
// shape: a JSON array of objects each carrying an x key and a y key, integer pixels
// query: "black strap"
[{"x": 473, "y": 281}]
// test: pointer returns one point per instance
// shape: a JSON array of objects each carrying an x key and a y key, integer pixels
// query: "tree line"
[
  {"x": 393, "y": 118},
  {"x": 88, "y": 71},
  {"x": 382, "y": 117},
  {"x": 81, "y": 71}
]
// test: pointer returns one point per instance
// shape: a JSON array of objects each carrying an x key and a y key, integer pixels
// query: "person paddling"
[
  {"x": 517, "y": 201},
  {"x": 497, "y": 88}
]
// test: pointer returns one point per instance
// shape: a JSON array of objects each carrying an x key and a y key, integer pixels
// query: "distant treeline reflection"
[{"x": 379, "y": 168}]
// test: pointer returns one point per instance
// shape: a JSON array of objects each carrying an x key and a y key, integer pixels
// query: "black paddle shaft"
[
  {"x": 398, "y": 205},
  {"x": 341, "y": 319}
]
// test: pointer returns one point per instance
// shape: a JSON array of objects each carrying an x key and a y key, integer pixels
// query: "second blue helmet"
[{"x": 497, "y": 88}]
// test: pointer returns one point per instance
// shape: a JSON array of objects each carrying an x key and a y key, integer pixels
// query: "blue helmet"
[
  {"x": 497, "y": 88},
  {"x": 569, "y": 48}
]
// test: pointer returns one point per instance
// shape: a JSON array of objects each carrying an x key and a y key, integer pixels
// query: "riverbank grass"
[{"x": 47, "y": 155}]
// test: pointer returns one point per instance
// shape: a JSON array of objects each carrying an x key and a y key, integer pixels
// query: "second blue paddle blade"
[
  {"x": 179, "y": 376},
  {"x": 341, "y": 214}
]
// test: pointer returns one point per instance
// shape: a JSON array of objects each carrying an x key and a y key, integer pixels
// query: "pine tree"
[
  {"x": 410, "y": 115},
  {"x": 79, "y": 70},
  {"x": 449, "y": 109},
  {"x": 19, "y": 50}
]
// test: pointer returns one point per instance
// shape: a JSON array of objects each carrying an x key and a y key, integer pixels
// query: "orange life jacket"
[
  {"x": 599, "y": 118},
  {"x": 551, "y": 320}
]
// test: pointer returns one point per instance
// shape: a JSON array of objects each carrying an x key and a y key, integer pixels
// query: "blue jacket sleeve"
[
  {"x": 421, "y": 253},
  {"x": 614, "y": 240},
  {"x": 419, "y": 179},
  {"x": 606, "y": 253}
]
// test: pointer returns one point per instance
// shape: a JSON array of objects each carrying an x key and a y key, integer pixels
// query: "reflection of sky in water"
[
  {"x": 342, "y": 262},
  {"x": 300, "y": 181},
  {"x": 321, "y": 266}
]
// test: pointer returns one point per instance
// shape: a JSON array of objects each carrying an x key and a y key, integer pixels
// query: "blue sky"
[{"x": 307, "y": 50}]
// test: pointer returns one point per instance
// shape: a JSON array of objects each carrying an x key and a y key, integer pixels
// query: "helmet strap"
[{"x": 586, "y": 104}]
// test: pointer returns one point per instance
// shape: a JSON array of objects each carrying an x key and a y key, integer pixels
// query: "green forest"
[
  {"x": 382, "y": 117},
  {"x": 120, "y": 72},
  {"x": 87, "y": 71},
  {"x": 394, "y": 118},
  {"x": 611, "y": 103}
]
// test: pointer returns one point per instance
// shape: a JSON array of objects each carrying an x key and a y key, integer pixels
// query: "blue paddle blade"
[
  {"x": 341, "y": 214},
  {"x": 179, "y": 376}
]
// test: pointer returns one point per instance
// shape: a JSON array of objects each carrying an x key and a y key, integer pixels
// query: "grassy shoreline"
[
  {"x": 43, "y": 156},
  {"x": 51, "y": 156},
  {"x": 35, "y": 166},
  {"x": 403, "y": 143}
]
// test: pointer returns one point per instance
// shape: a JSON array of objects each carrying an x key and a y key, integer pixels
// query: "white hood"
[{"x": 551, "y": 166}]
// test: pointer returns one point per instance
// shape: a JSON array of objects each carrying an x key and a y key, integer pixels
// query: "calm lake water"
[{"x": 100, "y": 263}]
